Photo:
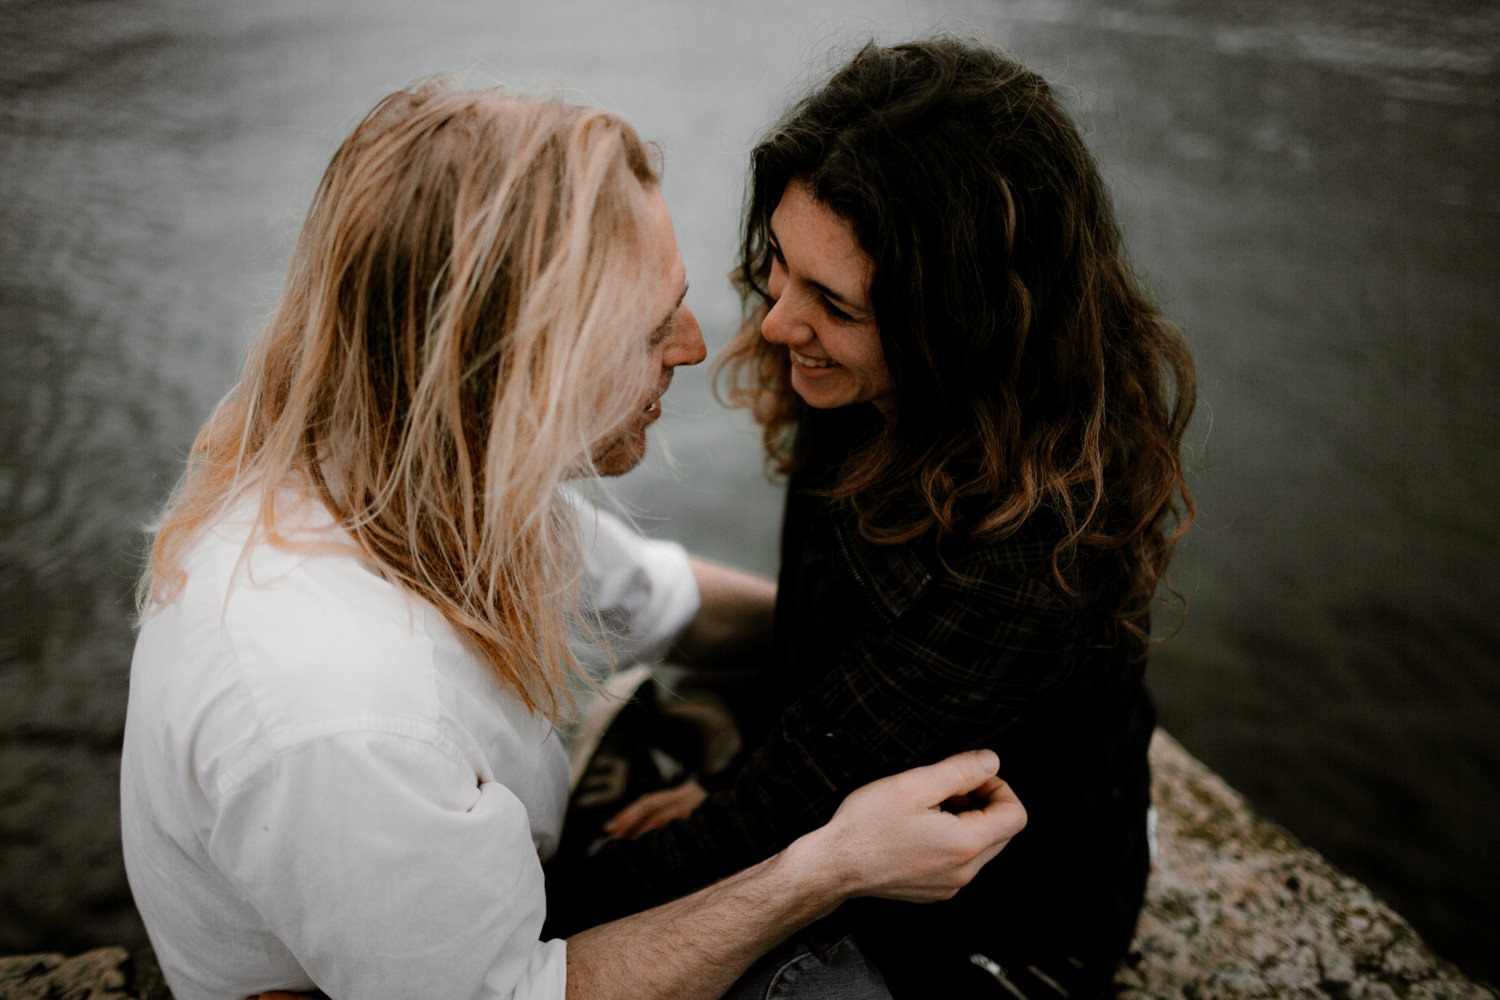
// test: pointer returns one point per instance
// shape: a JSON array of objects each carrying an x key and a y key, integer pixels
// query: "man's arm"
[
  {"x": 892, "y": 839},
  {"x": 732, "y": 626}
]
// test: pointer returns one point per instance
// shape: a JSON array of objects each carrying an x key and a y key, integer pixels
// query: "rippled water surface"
[{"x": 1309, "y": 187}]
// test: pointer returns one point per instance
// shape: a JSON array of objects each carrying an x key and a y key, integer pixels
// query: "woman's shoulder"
[
  {"x": 1023, "y": 566},
  {"x": 1025, "y": 549}
]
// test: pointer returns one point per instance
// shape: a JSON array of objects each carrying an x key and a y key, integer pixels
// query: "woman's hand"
[{"x": 655, "y": 809}]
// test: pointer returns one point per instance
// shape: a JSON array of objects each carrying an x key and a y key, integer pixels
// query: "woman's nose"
[{"x": 781, "y": 324}]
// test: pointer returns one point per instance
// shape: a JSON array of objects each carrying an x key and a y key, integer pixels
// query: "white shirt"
[{"x": 323, "y": 784}]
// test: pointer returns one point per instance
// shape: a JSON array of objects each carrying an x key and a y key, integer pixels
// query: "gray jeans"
[{"x": 808, "y": 967}]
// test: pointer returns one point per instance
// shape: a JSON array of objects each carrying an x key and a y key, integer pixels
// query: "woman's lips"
[{"x": 813, "y": 363}]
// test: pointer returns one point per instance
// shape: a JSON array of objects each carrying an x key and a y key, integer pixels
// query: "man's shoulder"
[{"x": 297, "y": 631}]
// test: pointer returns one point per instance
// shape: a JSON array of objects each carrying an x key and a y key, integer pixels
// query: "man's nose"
[{"x": 685, "y": 344}]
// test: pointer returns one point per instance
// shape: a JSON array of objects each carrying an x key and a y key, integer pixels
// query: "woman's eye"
[
  {"x": 836, "y": 312},
  {"x": 775, "y": 280}
]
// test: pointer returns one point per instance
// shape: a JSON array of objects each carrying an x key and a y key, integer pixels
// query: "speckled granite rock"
[
  {"x": 101, "y": 974},
  {"x": 1237, "y": 909}
]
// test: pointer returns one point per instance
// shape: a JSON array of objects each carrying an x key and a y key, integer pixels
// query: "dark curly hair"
[{"x": 1030, "y": 370}]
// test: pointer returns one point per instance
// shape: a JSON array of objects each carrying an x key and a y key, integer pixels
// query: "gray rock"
[
  {"x": 1238, "y": 908},
  {"x": 101, "y": 974}
]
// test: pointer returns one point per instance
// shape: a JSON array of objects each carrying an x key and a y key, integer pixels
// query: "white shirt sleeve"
[
  {"x": 641, "y": 589},
  {"x": 388, "y": 869}
]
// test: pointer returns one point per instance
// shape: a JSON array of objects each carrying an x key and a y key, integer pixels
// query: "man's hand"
[
  {"x": 919, "y": 836},
  {"x": 656, "y": 809},
  {"x": 923, "y": 834}
]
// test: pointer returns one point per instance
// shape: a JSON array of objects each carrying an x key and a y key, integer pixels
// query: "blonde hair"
[{"x": 456, "y": 334}]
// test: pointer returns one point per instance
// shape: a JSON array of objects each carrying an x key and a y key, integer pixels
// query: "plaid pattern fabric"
[{"x": 894, "y": 656}]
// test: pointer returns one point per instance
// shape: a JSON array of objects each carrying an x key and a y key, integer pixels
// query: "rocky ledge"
[
  {"x": 101, "y": 974},
  {"x": 1237, "y": 909}
]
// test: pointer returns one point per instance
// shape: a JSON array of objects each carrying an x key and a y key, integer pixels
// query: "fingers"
[
  {"x": 655, "y": 809},
  {"x": 985, "y": 794},
  {"x": 625, "y": 822},
  {"x": 997, "y": 817},
  {"x": 984, "y": 809},
  {"x": 968, "y": 771},
  {"x": 954, "y": 776},
  {"x": 893, "y": 838}
]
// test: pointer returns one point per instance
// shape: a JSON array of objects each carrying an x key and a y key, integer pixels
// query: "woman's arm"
[{"x": 965, "y": 663}]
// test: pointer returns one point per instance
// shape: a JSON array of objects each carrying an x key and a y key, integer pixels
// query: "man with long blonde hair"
[{"x": 340, "y": 767}]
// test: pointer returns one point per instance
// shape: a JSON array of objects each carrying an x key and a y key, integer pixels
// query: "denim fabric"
[{"x": 809, "y": 967}]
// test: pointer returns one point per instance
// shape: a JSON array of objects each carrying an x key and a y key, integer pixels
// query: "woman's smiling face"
[{"x": 820, "y": 284}]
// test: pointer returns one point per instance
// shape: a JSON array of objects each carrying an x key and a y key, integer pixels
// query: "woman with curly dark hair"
[{"x": 981, "y": 414}]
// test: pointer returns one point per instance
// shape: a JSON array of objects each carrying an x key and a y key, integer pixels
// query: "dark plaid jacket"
[{"x": 894, "y": 656}]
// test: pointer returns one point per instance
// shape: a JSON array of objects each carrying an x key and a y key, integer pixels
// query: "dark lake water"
[{"x": 1310, "y": 188}]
